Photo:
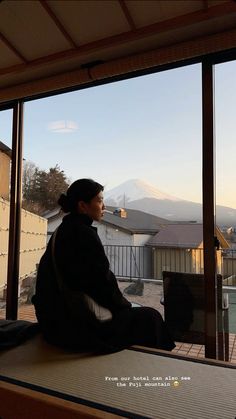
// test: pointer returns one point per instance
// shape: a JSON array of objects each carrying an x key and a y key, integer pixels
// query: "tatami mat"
[{"x": 186, "y": 389}]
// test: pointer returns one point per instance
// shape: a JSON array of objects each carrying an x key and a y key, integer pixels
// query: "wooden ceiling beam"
[
  {"x": 127, "y": 14},
  {"x": 58, "y": 23},
  {"x": 12, "y": 48},
  {"x": 167, "y": 25},
  {"x": 205, "y": 4}
]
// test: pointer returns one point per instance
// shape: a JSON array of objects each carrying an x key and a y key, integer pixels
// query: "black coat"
[{"x": 83, "y": 266}]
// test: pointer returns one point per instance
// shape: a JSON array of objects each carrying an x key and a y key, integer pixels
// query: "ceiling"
[{"x": 43, "y": 39}]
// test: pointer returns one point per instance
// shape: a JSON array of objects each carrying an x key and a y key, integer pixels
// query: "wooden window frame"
[{"x": 208, "y": 179}]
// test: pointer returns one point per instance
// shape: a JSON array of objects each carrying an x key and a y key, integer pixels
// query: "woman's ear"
[{"x": 82, "y": 207}]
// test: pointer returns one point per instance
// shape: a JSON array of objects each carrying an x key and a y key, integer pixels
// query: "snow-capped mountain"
[
  {"x": 134, "y": 189},
  {"x": 139, "y": 195}
]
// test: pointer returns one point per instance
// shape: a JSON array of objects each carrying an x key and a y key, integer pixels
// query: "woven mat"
[{"x": 130, "y": 383}]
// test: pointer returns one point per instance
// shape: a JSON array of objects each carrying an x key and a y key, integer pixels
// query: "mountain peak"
[
  {"x": 134, "y": 189},
  {"x": 140, "y": 195}
]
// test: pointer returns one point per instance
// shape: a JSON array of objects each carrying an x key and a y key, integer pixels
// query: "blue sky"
[{"x": 148, "y": 127}]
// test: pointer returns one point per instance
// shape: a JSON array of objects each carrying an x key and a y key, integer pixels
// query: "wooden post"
[
  {"x": 209, "y": 207},
  {"x": 15, "y": 213}
]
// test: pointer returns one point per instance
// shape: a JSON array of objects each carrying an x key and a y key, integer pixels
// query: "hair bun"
[
  {"x": 80, "y": 190},
  {"x": 64, "y": 203}
]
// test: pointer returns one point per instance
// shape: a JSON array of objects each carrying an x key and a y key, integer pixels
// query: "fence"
[
  {"x": 229, "y": 266},
  {"x": 130, "y": 261},
  {"x": 148, "y": 263},
  {"x": 32, "y": 244}
]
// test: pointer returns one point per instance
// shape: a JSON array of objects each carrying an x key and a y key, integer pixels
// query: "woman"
[{"x": 75, "y": 265}]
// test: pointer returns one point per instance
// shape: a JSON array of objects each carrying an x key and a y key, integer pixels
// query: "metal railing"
[
  {"x": 148, "y": 263},
  {"x": 130, "y": 261},
  {"x": 229, "y": 266}
]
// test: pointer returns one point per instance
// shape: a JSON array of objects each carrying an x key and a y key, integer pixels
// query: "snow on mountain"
[
  {"x": 132, "y": 190},
  {"x": 137, "y": 194}
]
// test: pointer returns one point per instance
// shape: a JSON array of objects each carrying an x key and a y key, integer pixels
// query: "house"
[
  {"x": 179, "y": 247},
  {"x": 5, "y": 165},
  {"x": 128, "y": 227},
  {"x": 118, "y": 226},
  {"x": 124, "y": 233},
  {"x": 229, "y": 234}
]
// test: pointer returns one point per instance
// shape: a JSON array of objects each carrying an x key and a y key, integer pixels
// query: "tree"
[
  {"x": 29, "y": 169},
  {"x": 41, "y": 189}
]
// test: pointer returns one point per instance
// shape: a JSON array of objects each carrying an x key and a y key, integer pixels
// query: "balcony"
[
  {"x": 143, "y": 264},
  {"x": 146, "y": 262}
]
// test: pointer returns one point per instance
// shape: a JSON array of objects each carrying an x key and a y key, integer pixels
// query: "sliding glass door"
[{"x": 225, "y": 180}]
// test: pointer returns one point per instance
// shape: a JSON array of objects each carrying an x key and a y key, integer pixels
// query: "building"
[
  {"x": 5, "y": 168},
  {"x": 124, "y": 234},
  {"x": 179, "y": 247},
  {"x": 33, "y": 228}
]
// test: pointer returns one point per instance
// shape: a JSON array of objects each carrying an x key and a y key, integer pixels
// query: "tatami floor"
[{"x": 26, "y": 312}]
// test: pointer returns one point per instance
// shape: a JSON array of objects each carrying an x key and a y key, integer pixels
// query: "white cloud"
[{"x": 63, "y": 126}]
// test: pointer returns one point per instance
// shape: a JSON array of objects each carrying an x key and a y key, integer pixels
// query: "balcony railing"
[
  {"x": 148, "y": 263},
  {"x": 130, "y": 261}
]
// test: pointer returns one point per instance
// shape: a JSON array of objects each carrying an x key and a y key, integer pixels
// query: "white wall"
[
  {"x": 113, "y": 236},
  {"x": 125, "y": 251},
  {"x": 107, "y": 234},
  {"x": 52, "y": 225},
  {"x": 141, "y": 239}
]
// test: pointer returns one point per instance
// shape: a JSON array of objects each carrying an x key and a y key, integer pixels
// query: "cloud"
[{"x": 63, "y": 126}]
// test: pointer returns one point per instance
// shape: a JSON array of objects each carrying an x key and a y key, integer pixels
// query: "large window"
[{"x": 141, "y": 138}]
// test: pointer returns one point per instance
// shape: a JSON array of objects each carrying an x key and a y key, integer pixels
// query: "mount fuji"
[
  {"x": 140, "y": 195},
  {"x": 135, "y": 189}
]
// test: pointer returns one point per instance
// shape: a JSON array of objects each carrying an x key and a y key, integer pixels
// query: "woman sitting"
[{"x": 78, "y": 302}]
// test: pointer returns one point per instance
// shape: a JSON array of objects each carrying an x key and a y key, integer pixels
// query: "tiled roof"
[
  {"x": 187, "y": 235},
  {"x": 178, "y": 235},
  {"x": 135, "y": 222}
]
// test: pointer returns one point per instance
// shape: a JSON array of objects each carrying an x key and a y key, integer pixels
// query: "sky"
[{"x": 148, "y": 127}]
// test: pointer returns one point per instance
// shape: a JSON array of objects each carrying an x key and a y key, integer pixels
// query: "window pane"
[
  {"x": 5, "y": 167},
  {"x": 225, "y": 90},
  {"x": 140, "y": 138}
]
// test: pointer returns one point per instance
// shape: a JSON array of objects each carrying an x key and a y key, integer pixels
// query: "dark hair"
[{"x": 80, "y": 190}]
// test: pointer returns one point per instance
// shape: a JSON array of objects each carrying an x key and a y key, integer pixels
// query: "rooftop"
[
  {"x": 136, "y": 222},
  {"x": 5, "y": 149},
  {"x": 189, "y": 235}
]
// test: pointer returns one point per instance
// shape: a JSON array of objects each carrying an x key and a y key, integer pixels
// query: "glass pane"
[
  {"x": 141, "y": 139},
  {"x": 225, "y": 91},
  {"x": 5, "y": 167}
]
